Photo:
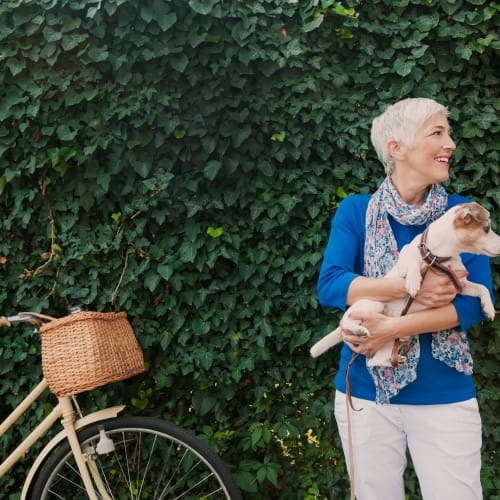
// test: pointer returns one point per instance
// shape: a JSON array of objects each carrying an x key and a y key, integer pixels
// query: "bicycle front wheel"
[{"x": 151, "y": 459}]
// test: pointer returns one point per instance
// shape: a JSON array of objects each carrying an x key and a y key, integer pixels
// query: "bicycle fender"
[{"x": 97, "y": 416}]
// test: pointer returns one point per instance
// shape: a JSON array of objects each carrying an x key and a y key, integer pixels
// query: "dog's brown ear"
[
  {"x": 473, "y": 212},
  {"x": 467, "y": 219}
]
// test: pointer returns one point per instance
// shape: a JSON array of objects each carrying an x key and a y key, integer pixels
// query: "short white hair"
[{"x": 400, "y": 122}]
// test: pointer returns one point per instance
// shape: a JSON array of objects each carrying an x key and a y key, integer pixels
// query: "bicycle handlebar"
[{"x": 20, "y": 318}]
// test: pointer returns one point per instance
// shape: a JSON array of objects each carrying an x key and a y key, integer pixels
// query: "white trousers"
[{"x": 444, "y": 443}]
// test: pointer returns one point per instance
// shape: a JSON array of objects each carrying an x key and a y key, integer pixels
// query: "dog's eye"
[{"x": 486, "y": 229}]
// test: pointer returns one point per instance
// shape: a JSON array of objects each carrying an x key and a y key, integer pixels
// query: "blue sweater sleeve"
[
  {"x": 342, "y": 261},
  {"x": 468, "y": 308}
]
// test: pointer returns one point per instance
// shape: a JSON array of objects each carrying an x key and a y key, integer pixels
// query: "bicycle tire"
[{"x": 163, "y": 461}]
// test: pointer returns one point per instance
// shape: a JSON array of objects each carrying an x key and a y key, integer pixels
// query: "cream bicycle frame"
[{"x": 65, "y": 412}]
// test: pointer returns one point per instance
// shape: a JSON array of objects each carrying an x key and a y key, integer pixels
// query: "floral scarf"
[{"x": 381, "y": 253}]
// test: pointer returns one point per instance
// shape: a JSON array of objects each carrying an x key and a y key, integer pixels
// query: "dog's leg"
[
  {"x": 413, "y": 280},
  {"x": 413, "y": 277},
  {"x": 477, "y": 290},
  {"x": 382, "y": 357},
  {"x": 335, "y": 336},
  {"x": 326, "y": 342},
  {"x": 408, "y": 267}
]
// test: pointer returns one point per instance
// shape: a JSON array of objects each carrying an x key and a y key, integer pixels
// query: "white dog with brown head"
[{"x": 463, "y": 228}]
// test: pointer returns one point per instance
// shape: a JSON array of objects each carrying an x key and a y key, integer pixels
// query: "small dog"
[{"x": 463, "y": 228}]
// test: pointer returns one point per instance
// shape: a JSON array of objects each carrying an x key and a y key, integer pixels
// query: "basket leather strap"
[{"x": 39, "y": 316}]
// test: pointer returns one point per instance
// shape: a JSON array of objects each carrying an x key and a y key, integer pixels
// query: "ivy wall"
[{"x": 182, "y": 160}]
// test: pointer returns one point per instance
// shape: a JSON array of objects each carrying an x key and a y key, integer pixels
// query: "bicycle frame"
[{"x": 65, "y": 412}]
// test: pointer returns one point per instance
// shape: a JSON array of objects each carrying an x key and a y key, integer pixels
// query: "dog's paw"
[
  {"x": 488, "y": 309},
  {"x": 412, "y": 286},
  {"x": 356, "y": 328},
  {"x": 361, "y": 332}
]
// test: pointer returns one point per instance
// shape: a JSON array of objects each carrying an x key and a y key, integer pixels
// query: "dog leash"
[
  {"x": 401, "y": 346},
  {"x": 349, "y": 407}
]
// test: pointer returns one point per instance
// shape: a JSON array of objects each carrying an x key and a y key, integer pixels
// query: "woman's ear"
[{"x": 396, "y": 150}]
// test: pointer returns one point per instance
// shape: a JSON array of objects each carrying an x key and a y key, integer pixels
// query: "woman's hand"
[
  {"x": 380, "y": 326},
  {"x": 437, "y": 289}
]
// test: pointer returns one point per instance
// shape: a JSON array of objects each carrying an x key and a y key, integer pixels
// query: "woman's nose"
[{"x": 450, "y": 144}]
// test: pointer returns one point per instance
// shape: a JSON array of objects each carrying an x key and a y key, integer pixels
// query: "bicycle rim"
[{"x": 152, "y": 459}]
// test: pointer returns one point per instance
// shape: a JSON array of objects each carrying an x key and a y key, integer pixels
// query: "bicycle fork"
[{"x": 84, "y": 464}]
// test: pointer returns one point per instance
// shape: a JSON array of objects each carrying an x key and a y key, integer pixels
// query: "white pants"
[{"x": 444, "y": 443}]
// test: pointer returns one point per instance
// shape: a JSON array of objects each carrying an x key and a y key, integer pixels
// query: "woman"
[{"x": 429, "y": 405}]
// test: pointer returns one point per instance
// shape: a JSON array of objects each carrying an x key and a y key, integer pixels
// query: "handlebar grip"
[{"x": 4, "y": 321}]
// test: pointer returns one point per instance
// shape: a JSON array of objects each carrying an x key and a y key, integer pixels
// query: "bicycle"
[{"x": 106, "y": 456}]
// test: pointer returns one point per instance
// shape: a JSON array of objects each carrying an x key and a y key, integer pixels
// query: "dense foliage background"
[{"x": 181, "y": 160}]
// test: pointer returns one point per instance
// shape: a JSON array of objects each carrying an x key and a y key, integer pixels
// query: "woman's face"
[{"x": 432, "y": 148}]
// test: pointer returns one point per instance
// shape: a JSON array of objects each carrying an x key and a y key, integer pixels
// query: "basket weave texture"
[{"x": 87, "y": 350}]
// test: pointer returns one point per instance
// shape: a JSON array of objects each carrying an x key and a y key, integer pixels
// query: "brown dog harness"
[{"x": 402, "y": 346}]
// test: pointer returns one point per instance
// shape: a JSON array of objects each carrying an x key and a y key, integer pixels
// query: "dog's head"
[{"x": 473, "y": 229}]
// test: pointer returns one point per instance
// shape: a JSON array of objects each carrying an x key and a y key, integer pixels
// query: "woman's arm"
[
  {"x": 342, "y": 260},
  {"x": 379, "y": 289},
  {"x": 436, "y": 289},
  {"x": 445, "y": 310},
  {"x": 384, "y": 329}
]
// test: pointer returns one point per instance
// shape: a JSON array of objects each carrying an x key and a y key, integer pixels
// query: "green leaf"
[
  {"x": 203, "y": 403},
  {"x": 165, "y": 271},
  {"x": 98, "y": 54},
  {"x": 142, "y": 167},
  {"x": 179, "y": 62},
  {"x": 215, "y": 232},
  {"x": 312, "y": 25},
  {"x": 163, "y": 16},
  {"x": 147, "y": 13},
  {"x": 403, "y": 67},
  {"x": 16, "y": 65},
  {"x": 463, "y": 51},
  {"x": 65, "y": 133},
  {"x": 188, "y": 251},
  {"x": 246, "y": 481},
  {"x": 151, "y": 281},
  {"x": 51, "y": 35},
  {"x": 418, "y": 52},
  {"x": 427, "y": 22},
  {"x": 206, "y": 359},
  {"x": 241, "y": 134},
  {"x": 211, "y": 169},
  {"x": 257, "y": 434},
  {"x": 279, "y": 136},
  {"x": 288, "y": 202},
  {"x": 203, "y": 7}
]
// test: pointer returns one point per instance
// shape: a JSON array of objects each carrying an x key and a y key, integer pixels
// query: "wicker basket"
[{"x": 87, "y": 350}]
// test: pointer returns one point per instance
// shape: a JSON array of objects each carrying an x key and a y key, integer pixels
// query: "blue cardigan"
[{"x": 436, "y": 382}]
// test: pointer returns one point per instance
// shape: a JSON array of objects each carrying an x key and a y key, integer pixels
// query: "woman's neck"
[{"x": 411, "y": 194}]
